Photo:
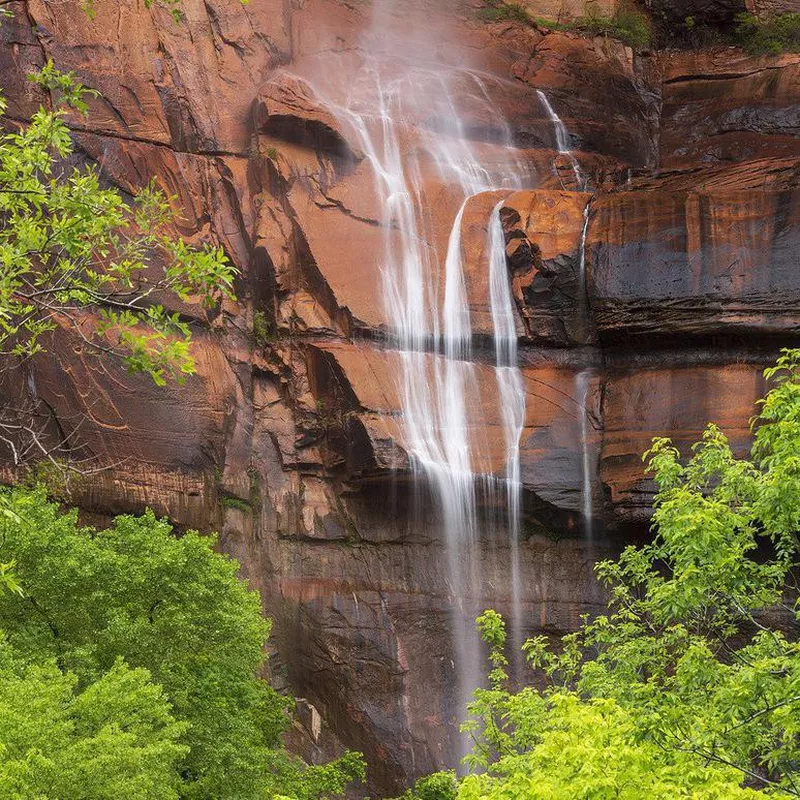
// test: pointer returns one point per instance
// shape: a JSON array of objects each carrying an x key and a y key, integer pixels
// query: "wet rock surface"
[
  {"x": 703, "y": 252},
  {"x": 652, "y": 319}
]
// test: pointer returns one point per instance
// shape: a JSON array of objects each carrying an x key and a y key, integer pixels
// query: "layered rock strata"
[{"x": 647, "y": 305}]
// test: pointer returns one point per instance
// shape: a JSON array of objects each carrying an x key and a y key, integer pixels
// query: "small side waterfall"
[
  {"x": 583, "y": 290},
  {"x": 562, "y": 138},
  {"x": 582, "y": 387}
]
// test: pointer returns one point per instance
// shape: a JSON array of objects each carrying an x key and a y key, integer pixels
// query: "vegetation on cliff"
[
  {"x": 628, "y": 23},
  {"x": 689, "y": 686},
  {"x": 79, "y": 258},
  {"x": 757, "y": 35},
  {"x": 130, "y": 667},
  {"x": 775, "y": 35}
]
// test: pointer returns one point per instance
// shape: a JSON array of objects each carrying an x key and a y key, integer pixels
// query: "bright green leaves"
[
  {"x": 8, "y": 579},
  {"x": 116, "y": 738},
  {"x": 192, "y": 636},
  {"x": 291, "y": 779},
  {"x": 67, "y": 90},
  {"x": 776, "y": 451},
  {"x": 438, "y": 786},
  {"x": 169, "y": 605},
  {"x": 593, "y": 750},
  {"x": 72, "y": 250},
  {"x": 493, "y": 632},
  {"x": 689, "y": 686}
]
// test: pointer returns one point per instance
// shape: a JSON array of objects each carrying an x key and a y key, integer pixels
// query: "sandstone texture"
[{"x": 649, "y": 296}]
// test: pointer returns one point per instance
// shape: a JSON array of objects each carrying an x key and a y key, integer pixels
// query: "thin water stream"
[
  {"x": 562, "y": 138},
  {"x": 583, "y": 387},
  {"x": 512, "y": 403}
]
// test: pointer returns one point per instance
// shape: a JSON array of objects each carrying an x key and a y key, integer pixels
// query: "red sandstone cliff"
[{"x": 691, "y": 286}]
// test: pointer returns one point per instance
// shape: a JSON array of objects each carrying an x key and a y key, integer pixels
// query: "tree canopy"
[
  {"x": 115, "y": 738},
  {"x": 165, "y": 620}
]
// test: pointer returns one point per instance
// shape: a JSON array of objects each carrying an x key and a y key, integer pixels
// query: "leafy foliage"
[
  {"x": 628, "y": 23},
  {"x": 70, "y": 247},
  {"x": 115, "y": 738},
  {"x": 500, "y": 11},
  {"x": 294, "y": 780},
  {"x": 438, "y": 786},
  {"x": 264, "y": 332},
  {"x": 173, "y": 607},
  {"x": 779, "y": 34},
  {"x": 690, "y": 684}
]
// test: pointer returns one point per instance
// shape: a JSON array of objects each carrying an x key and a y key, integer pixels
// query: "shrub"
[
  {"x": 776, "y": 35},
  {"x": 264, "y": 332},
  {"x": 499, "y": 11},
  {"x": 438, "y": 786},
  {"x": 628, "y": 23}
]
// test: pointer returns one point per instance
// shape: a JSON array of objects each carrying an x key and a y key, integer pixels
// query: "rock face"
[
  {"x": 722, "y": 105},
  {"x": 645, "y": 305},
  {"x": 718, "y": 248}
]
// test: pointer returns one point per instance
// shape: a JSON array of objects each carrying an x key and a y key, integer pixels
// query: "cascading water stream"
[
  {"x": 512, "y": 403},
  {"x": 431, "y": 329},
  {"x": 582, "y": 386},
  {"x": 562, "y": 138},
  {"x": 582, "y": 287}
]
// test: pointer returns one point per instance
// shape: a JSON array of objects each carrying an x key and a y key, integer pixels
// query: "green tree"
[
  {"x": 174, "y": 607},
  {"x": 690, "y": 685},
  {"x": 76, "y": 257},
  {"x": 69, "y": 246},
  {"x": 116, "y": 738}
]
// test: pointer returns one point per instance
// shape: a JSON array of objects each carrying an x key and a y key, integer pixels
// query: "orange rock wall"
[{"x": 689, "y": 289}]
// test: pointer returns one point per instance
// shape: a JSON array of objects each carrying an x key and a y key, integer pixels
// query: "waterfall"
[
  {"x": 582, "y": 386},
  {"x": 434, "y": 140},
  {"x": 408, "y": 125},
  {"x": 512, "y": 403},
  {"x": 562, "y": 139},
  {"x": 583, "y": 289}
]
